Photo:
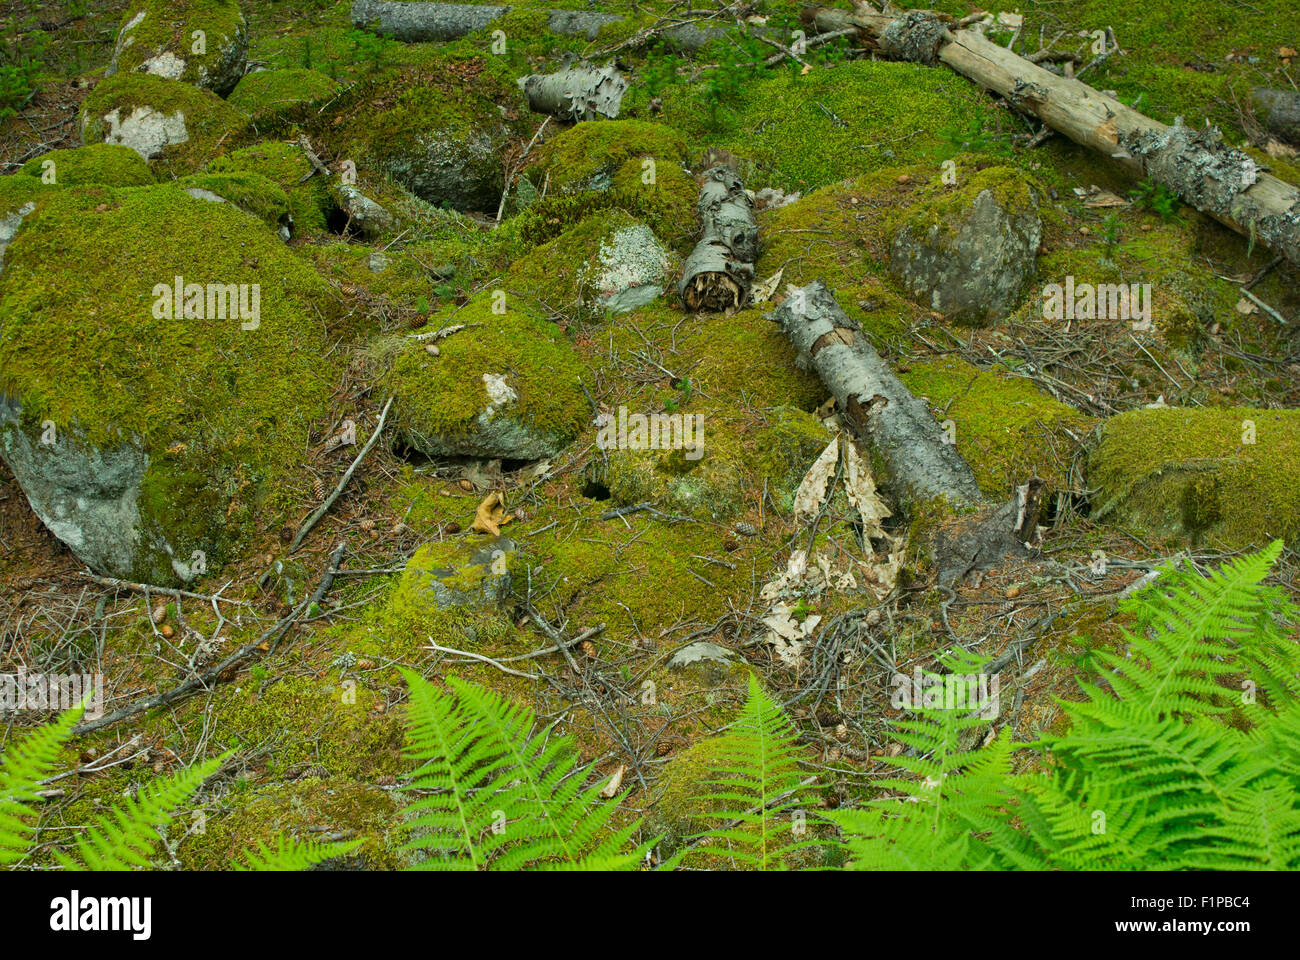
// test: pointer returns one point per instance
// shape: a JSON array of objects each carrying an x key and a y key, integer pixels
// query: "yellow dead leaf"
[{"x": 491, "y": 516}]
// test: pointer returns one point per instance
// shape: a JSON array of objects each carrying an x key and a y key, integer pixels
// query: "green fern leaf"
[
  {"x": 289, "y": 855},
  {"x": 26, "y": 763}
]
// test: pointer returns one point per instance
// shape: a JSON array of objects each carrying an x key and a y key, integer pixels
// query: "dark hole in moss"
[
  {"x": 338, "y": 222},
  {"x": 595, "y": 491}
]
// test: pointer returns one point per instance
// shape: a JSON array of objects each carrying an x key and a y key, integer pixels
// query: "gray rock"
[
  {"x": 454, "y": 168},
  {"x": 366, "y": 216},
  {"x": 145, "y": 130},
  {"x": 460, "y": 574},
  {"x": 1279, "y": 111},
  {"x": 973, "y": 267},
  {"x": 87, "y": 496},
  {"x": 219, "y": 68},
  {"x": 493, "y": 434},
  {"x": 631, "y": 269},
  {"x": 9, "y": 224}
]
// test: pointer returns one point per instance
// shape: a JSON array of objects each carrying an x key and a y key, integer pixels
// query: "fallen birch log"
[
  {"x": 578, "y": 93},
  {"x": 920, "y": 465},
  {"x": 720, "y": 270},
  {"x": 1217, "y": 180},
  {"x": 418, "y": 22}
]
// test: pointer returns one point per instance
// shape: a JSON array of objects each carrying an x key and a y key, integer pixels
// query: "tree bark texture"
[{"x": 720, "y": 270}]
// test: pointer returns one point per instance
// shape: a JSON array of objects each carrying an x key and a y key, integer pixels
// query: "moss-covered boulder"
[
  {"x": 1227, "y": 477},
  {"x": 968, "y": 253},
  {"x": 1004, "y": 427},
  {"x": 203, "y": 42},
  {"x": 163, "y": 120},
  {"x": 112, "y": 165},
  {"x": 149, "y": 434},
  {"x": 285, "y": 165},
  {"x": 610, "y": 263},
  {"x": 505, "y": 386},
  {"x": 587, "y": 156},
  {"x": 440, "y": 133},
  {"x": 250, "y": 192},
  {"x": 456, "y": 573},
  {"x": 268, "y": 94}
]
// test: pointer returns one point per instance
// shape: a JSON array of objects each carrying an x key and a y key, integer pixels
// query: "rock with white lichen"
[{"x": 203, "y": 42}]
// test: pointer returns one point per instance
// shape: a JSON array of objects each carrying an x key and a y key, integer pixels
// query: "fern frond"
[
  {"x": 26, "y": 763},
  {"x": 125, "y": 836},
  {"x": 755, "y": 786},
  {"x": 1259, "y": 830},
  {"x": 491, "y": 794},
  {"x": 290, "y": 855},
  {"x": 1194, "y": 636}
]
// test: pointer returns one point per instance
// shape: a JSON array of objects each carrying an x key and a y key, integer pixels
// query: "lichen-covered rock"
[
  {"x": 364, "y": 215},
  {"x": 615, "y": 264},
  {"x": 147, "y": 434},
  {"x": 203, "y": 42},
  {"x": 267, "y": 94},
  {"x": 506, "y": 386},
  {"x": 969, "y": 254},
  {"x": 1225, "y": 477},
  {"x": 470, "y": 573},
  {"x": 166, "y": 121},
  {"x": 112, "y": 165},
  {"x": 441, "y": 137}
]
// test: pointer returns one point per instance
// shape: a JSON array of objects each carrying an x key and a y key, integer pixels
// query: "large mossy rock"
[
  {"x": 437, "y": 133},
  {"x": 506, "y": 386},
  {"x": 148, "y": 444},
  {"x": 111, "y": 165},
  {"x": 271, "y": 94},
  {"x": 284, "y": 164},
  {"x": 166, "y": 121},
  {"x": 164, "y": 37},
  {"x": 1224, "y": 477},
  {"x": 610, "y": 262},
  {"x": 968, "y": 253}
]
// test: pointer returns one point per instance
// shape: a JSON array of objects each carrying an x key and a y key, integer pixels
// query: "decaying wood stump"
[
  {"x": 921, "y": 466},
  {"x": 720, "y": 270},
  {"x": 578, "y": 93},
  {"x": 1217, "y": 180}
]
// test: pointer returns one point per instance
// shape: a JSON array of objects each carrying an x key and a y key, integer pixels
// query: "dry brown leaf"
[
  {"x": 491, "y": 514},
  {"x": 812, "y": 491}
]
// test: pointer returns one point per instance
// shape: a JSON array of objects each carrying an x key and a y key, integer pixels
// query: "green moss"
[
  {"x": 105, "y": 163},
  {"x": 210, "y": 122},
  {"x": 284, "y": 164},
  {"x": 223, "y": 412},
  {"x": 586, "y": 156},
  {"x": 1193, "y": 474},
  {"x": 306, "y": 811},
  {"x": 445, "y": 395},
  {"x": 250, "y": 192},
  {"x": 806, "y": 131},
  {"x": 938, "y": 205},
  {"x": 1005, "y": 428},
  {"x": 168, "y": 27},
  {"x": 271, "y": 94}
]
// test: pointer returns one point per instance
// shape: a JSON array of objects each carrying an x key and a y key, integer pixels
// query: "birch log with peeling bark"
[
  {"x": 720, "y": 270},
  {"x": 920, "y": 465},
  {"x": 579, "y": 93},
  {"x": 1217, "y": 180},
  {"x": 417, "y": 22}
]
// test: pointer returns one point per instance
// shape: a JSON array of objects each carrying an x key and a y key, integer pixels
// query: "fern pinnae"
[
  {"x": 291, "y": 855},
  {"x": 26, "y": 763}
]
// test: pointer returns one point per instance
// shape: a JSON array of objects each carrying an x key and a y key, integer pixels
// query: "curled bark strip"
[
  {"x": 579, "y": 93},
  {"x": 720, "y": 270},
  {"x": 1196, "y": 165}
]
